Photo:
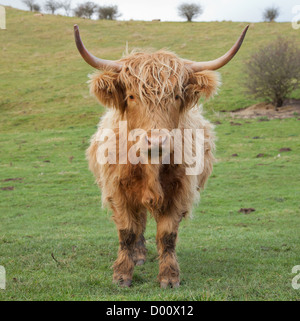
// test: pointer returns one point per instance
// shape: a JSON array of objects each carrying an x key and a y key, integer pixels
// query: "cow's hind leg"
[
  {"x": 140, "y": 251},
  {"x": 131, "y": 247},
  {"x": 167, "y": 229}
]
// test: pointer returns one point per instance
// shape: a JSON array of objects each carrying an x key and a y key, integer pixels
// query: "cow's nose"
[{"x": 156, "y": 140}]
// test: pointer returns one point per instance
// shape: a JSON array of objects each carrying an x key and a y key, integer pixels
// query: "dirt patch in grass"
[
  {"x": 12, "y": 179},
  {"x": 290, "y": 108},
  {"x": 247, "y": 210},
  {"x": 285, "y": 149},
  {"x": 8, "y": 188}
]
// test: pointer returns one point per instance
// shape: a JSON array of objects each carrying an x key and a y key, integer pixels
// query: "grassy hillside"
[
  {"x": 43, "y": 78},
  {"x": 56, "y": 243}
]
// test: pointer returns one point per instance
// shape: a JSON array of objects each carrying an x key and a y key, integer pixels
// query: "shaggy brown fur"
[{"x": 153, "y": 90}]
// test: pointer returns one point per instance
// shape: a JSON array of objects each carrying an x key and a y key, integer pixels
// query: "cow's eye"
[
  {"x": 177, "y": 97},
  {"x": 131, "y": 97}
]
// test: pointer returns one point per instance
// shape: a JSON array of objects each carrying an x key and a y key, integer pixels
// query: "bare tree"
[
  {"x": 189, "y": 10},
  {"x": 108, "y": 12},
  {"x": 85, "y": 10},
  {"x": 67, "y": 6},
  {"x": 52, "y": 6},
  {"x": 36, "y": 7},
  {"x": 273, "y": 72},
  {"x": 30, "y": 4},
  {"x": 270, "y": 14}
]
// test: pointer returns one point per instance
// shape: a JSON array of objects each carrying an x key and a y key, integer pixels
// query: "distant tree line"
[
  {"x": 32, "y": 5},
  {"x": 87, "y": 9},
  {"x": 84, "y": 10}
]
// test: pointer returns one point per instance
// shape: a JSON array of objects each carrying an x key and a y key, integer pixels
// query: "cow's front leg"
[
  {"x": 132, "y": 250},
  {"x": 124, "y": 265},
  {"x": 167, "y": 229}
]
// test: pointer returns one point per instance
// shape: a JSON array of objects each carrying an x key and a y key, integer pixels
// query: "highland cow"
[{"x": 151, "y": 90}]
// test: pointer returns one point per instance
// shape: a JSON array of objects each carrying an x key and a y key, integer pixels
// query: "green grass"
[{"x": 47, "y": 118}]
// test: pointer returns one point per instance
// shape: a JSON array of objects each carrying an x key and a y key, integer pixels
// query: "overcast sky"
[{"x": 166, "y": 10}]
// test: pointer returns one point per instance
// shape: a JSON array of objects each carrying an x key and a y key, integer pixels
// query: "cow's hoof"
[
  {"x": 164, "y": 284},
  {"x": 173, "y": 284},
  {"x": 139, "y": 262},
  {"x": 126, "y": 283},
  {"x": 123, "y": 283}
]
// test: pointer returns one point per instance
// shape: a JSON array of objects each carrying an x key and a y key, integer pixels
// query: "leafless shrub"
[
  {"x": 85, "y": 10},
  {"x": 67, "y": 6},
  {"x": 189, "y": 10},
  {"x": 30, "y": 4},
  {"x": 36, "y": 7},
  {"x": 108, "y": 12},
  {"x": 52, "y": 6},
  {"x": 273, "y": 72},
  {"x": 270, "y": 14}
]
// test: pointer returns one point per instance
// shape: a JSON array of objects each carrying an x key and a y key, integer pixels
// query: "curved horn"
[
  {"x": 219, "y": 62},
  {"x": 91, "y": 59}
]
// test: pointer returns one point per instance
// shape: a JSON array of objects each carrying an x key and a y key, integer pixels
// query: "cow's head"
[{"x": 153, "y": 89}]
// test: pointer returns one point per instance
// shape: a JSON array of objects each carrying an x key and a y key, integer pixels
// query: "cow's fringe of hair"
[{"x": 154, "y": 76}]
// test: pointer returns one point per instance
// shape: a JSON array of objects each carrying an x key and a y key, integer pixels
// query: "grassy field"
[{"x": 56, "y": 242}]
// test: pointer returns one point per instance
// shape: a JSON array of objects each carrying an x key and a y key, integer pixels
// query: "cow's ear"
[
  {"x": 203, "y": 83},
  {"x": 108, "y": 89}
]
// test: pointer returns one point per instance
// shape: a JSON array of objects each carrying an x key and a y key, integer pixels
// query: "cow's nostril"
[
  {"x": 156, "y": 140},
  {"x": 163, "y": 139},
  {"x": 148, "y": 140}
]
